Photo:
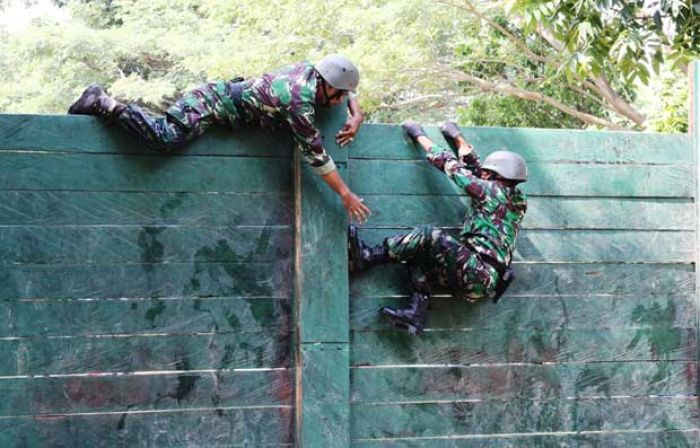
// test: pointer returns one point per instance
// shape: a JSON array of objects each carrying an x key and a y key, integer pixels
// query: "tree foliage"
[
  {"x": 151, "y": 52},
  {"x": 471, "y": 59},
  {"x": 633, "y": 37}
]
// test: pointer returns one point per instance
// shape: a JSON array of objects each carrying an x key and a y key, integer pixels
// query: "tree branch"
[
  {"x": 600, "y": 85},
  {"x": 471, "y": 8},
  {"x": 506, "y": 89},
  {"x": 620, "y": 105},
  {"x": 414, "y": 101}
]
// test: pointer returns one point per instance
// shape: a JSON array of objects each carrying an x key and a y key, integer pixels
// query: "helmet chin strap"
[{"x": 326, "y": 99}]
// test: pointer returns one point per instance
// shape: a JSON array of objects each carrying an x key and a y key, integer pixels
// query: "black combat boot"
[
  {"x": 412, "y": 317},
  {"x": 450, "y": 130},
  {"x": 95, "y": 101},
  {"x": 362, "y": 256},
  {"x": 413, "y": 129}
]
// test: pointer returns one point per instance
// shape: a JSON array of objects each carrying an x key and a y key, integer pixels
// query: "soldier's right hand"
[{"x": 357, "y": 210}]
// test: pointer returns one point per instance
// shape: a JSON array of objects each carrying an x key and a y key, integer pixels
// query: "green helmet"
[
  {"x": 506, "y": 164},
  {"x": 339, "y": 72}
]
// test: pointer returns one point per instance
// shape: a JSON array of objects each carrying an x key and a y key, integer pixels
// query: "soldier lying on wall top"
[{"x": 288, "y": 95}]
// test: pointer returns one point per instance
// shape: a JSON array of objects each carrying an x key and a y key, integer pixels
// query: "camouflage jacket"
[
  {"x": 288, "y": 95},
  {"x": 491, "y": 227}
]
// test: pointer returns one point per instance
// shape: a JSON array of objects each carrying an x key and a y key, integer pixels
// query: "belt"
[{"x": 506, "y": 275}]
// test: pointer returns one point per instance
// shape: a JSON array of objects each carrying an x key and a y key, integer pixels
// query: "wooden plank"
[
  {"x": 582, "y": 246},
  {"x": 522, "y": 382},
  {"x": 694, "y": 121},
  {"x": 322, "y": 309},
  {"x": 58, "y": 133},
  {"x": 149, "y": 244},
  {"x": 628, "y": 213},
  {"x": 321, "y": 264},
  {"x": 184, "y": 390},
  {"x": 432, "y": 384},
  {"x": 509, "y": 344},
  {"x": 522, "y": 416},
  {"x": 609, "y": 439},
  {"x": 553, "y": 279},
  {"x": 70, "y": 208},
  {"x": 560, "y": 179},
  {"x": 536, "y": 145},
  {"x": 72, "y": 355},
  {"x": 570, "y": 312},
  {"x": 211, "y": 427},
  {"x": 106, "y": 172},
  {"x": 543, "y": 212},
  {"x": 326, "y": 394},
  {"x": 153, "y": 280},
  {"x": 141, "y": 316}
]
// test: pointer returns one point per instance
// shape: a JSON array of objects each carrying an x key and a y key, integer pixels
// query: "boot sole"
[
  {"x": 399, "y": 323},
  {"x": 445, "y": 133}
]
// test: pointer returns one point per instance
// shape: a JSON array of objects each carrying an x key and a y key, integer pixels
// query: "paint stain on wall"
[{"x": 151, "y": 249}]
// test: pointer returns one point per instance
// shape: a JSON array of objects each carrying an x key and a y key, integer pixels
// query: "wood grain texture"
[
  {"x": 585, "y": 246},
  {"x": 559, "y": 179},
  {"x": 503, "y": 382},
  {"x": 143, "y": 316},
  {"x": 146, "y": 280},
  {"x": 535, "y": 145},
  {"x": 261, "y": 426},
  {"x": 543, "y": 212},
  {"x": 58, "y": 134},
  {"x": 144, "y": 352},
  {"x": 538, "y": 344},
  {"x": 523, "y": 416},
  {"x": 165, "y": 391},
  {"x": 150, "y": 244},
  {"x": 573, "y": 439},
  {"x": 146, "y": 298},
  {"x": 156, "y": 173},
  {"x": 323, "y": 409},
  {"x": 554, "y": 279},
  {"x": 569, "y": 312},
  {"x": 87, "y": 208}
]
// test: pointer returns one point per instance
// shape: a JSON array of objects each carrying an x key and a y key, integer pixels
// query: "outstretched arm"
[
  {"x": 352, "y": 125},
  {"x": 308, "y": 137},
  {"x": 357, "y": 210},
  {"x": 461, "y": 174},
  {"x": 467, "y": 155}
]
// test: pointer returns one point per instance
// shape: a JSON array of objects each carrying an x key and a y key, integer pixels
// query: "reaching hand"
[
  {"x": 348, "y": 131},
  {"x": 357, "y": 210},
  {"x": 464, "y": 150}
]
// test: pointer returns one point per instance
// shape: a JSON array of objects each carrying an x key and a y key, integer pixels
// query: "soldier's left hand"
[{"x": 348, "y": 131}]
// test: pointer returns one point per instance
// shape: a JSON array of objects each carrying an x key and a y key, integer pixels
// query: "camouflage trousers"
[
  {"x": 191, "y": 116},
  {"x": 437, "y": 257}
]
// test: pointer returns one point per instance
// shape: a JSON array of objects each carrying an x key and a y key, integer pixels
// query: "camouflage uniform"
[
  {"x": 283, "y": 96},
  {"x": 465, "y": 265}
]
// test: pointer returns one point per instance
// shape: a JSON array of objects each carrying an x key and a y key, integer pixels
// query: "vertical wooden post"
[
  {"x": 322, "y": 309},
  {"x": 694, "y": 129}
]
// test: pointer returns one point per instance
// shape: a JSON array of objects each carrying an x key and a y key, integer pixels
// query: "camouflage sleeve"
[
  {"x": 472, "y": 162},
  {"x": 308, "y": 137},
  {"x": 459, "y": 173}
]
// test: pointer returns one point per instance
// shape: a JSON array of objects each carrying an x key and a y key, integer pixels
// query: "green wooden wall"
[
  {"x": 147, "y": 300},
  {"x": 202, "y": 298},
  {"x": 596, "y": 342}
]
